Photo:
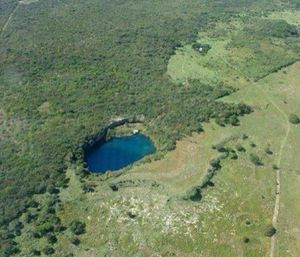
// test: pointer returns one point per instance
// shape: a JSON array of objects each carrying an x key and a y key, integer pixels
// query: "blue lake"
[{"x": 118, "y": 153}]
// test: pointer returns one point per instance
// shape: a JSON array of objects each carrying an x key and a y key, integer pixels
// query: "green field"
[{"x": 68, "y": 68}]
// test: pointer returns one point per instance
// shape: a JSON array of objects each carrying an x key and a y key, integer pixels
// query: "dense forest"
[{"x": 68, "y": 67}]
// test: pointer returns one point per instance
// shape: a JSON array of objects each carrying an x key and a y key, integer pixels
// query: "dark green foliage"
[
  {"x": 114, "y": 187},
  {"x": 9, "y": 249},
  {"x": 52, "y": 190},
  {"x": 87, "y": 188},
  {"x": 194, "y": 194},
  {"x": 273, "y": 28},
  {"x": 240, "y": 148},
  {"x": 244, "y": 137},
  {"x": 201, "y": 48},
  {"x": 275, "y": 167},
  {"x": 220, "y": 148},
  {"x": 131, "y": 215},
  {"x": 270, "y": 231},
  {"x": 75, "y": 241},
  {"x": 268, "y": 150},
  {"x": 36, "y": 252},
  {"x": 77, "y": 227},
  {"x": 48, "y": 250},
  {"x": 255, "y": 159},
  {"x": 294, "y": 119},
  {"x": 51, "y": 238},
  {"x": 215, "y": 163},
  {"x": 44, "y": 228},
  {"x": 246, "y": 240},
  {"x": 234, "y": 156}
]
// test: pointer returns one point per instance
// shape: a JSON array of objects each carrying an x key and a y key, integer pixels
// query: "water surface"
[{"x": 118, "y": 153}]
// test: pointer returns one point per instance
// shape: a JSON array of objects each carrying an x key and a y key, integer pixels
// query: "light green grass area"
[
  {"x": 292, "y": 17},
  {"x": 147, "y": 215}
]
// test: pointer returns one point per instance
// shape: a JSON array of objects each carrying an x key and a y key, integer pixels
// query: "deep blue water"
[{"x": 118, "y": 153}]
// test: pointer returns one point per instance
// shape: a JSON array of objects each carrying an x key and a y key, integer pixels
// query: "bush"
[
  {"x": 87, "y": 188},
  {"x": 77, "y": 227},
  {"x": 75, "y": 241},
  {"x": 255, "y": 159},
  {"x": 294, "y": 119},
  {"x": 246, "y": 240},
  {"x": 234, "y": 156},
  {"x": 270, "y": 231},
  {"x": 240, "y": 148},
  {"x": 220, "y": 148},
  {"x": 201, "y": 48},
  {"x": 51, "y": 238},
  {"x": 215, "y": 163},
  {"x": 48, "y": 250},
  {"x": 52, "y": 189},
  {"x": 43, "y": 229},
  {"x": 194, "y": 194},
  {"x": 36, "y": 252},
  {"x": 268, "y": 150},
  {"x": 10, "y": 249}
]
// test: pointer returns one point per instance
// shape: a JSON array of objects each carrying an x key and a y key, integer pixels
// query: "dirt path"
[
  {"x": 282, "y": 146},
  {"x": 9, "y": 18}
]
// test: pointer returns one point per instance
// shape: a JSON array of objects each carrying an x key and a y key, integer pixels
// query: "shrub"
[
  {"x": 52, "y": 189},
  {"x": 255, "y": 159},
  {"x": 275, "y": 167},
  {"x": 51, "y": 238},
  {"x": 246, "y": 240},
  {"x": 59, "y": 228},
  {"x": 270, "y": 231},
  {"x": 194, "y": 194},
  {"x": 215, "y": 163},
  {"x": 268, "y": 150},
  {"x": 75, "y": 241},
  {"x": 294, "y": 119},
  {"x": 131, "y": 215},
  {"x": 10, "y": 249},
  {"x": 201, "y": 48},
  {"x": 77, "y": 227},
  {"x": 234, "y": 156},
  {"x": 87, "y": 188},
  {"x": 36, "y": 252},
  {"x": 48, "y": 250},
  {"x": 240, "y": 148},
  {"x": 220, "y": 148},
  {"x": 30, "y": 217},
  {"x": 43, "y": 229}
]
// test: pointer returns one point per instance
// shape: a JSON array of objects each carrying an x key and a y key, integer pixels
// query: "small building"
[{"x": 135, "y": 131}]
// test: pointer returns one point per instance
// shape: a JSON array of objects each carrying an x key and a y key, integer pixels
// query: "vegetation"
[
  {"x": 77, "y": 227},
  {"x": 256, "y": 159},
  {"x": 273, "y": 28},
  {"x": 294, "y": 119},
  {"x": 201, "y": 48},
  {"x": 53, "y": 102},
  {"x": 83, "y": 70},
  {"x": 270, "y": 231}
]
